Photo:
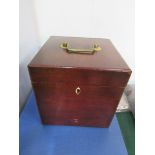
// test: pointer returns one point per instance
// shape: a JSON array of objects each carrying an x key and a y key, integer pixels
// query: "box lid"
[{"x": 52, "y": 55}]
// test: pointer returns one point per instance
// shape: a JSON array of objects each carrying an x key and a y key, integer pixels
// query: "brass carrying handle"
[{"x": 80, "y": 51}]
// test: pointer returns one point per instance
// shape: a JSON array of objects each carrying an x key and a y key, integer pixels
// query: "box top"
[{"x": 52, "y": 55}]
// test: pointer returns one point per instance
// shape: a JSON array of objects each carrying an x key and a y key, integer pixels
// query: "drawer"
[{"x": 92, "y": 122}]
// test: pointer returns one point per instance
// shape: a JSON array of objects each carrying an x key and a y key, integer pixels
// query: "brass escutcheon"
[{"x": 77, "y": 90}]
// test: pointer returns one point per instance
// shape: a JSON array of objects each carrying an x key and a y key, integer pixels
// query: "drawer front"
[
  {"x": 79, "y": 76},
  {"x": 91, "y": 106}
]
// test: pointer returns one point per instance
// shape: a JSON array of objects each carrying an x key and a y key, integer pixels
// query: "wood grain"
[{"x": 101, "y": 77}]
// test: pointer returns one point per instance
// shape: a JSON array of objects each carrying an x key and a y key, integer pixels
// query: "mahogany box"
[{"x": 78, "y": 81}]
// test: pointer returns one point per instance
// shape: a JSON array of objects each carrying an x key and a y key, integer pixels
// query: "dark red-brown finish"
[{"x": 56, "y": 74}]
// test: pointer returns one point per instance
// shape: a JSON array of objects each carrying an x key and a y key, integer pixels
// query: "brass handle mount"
[{"x": 92, "y": 50}]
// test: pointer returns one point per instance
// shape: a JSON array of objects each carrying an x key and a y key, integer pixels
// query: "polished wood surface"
[
  {"x": 51, "y": 55},
  {"x": 94, "y": 106},
  {"x": 79, "y": 76},
  {"x": 101, "y": 78}
]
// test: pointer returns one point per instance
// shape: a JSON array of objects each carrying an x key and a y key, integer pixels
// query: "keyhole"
[{"x": 77, "y": 90}]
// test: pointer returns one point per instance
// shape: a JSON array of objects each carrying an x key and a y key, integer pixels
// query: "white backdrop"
[
  {"x": 113, "y": 19},
  {"x": 28, "y": 46}
]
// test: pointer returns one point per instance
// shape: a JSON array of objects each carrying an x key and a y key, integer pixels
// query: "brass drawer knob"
[
  {"x": 77, "y": 90},
  {"x": 75, "y": 120}
]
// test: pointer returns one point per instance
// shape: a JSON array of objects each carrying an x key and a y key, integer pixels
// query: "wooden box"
[{"x": 78, "y": 81}]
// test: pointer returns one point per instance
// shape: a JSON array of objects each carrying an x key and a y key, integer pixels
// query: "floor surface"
[
  {"x": 127, "y": 126},
  {"x": 38, "y": 139}
]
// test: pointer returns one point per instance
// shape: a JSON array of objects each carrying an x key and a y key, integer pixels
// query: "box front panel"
[
  {"x": 79, "y": 76},
  {"x": 62, "y": 104}
]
